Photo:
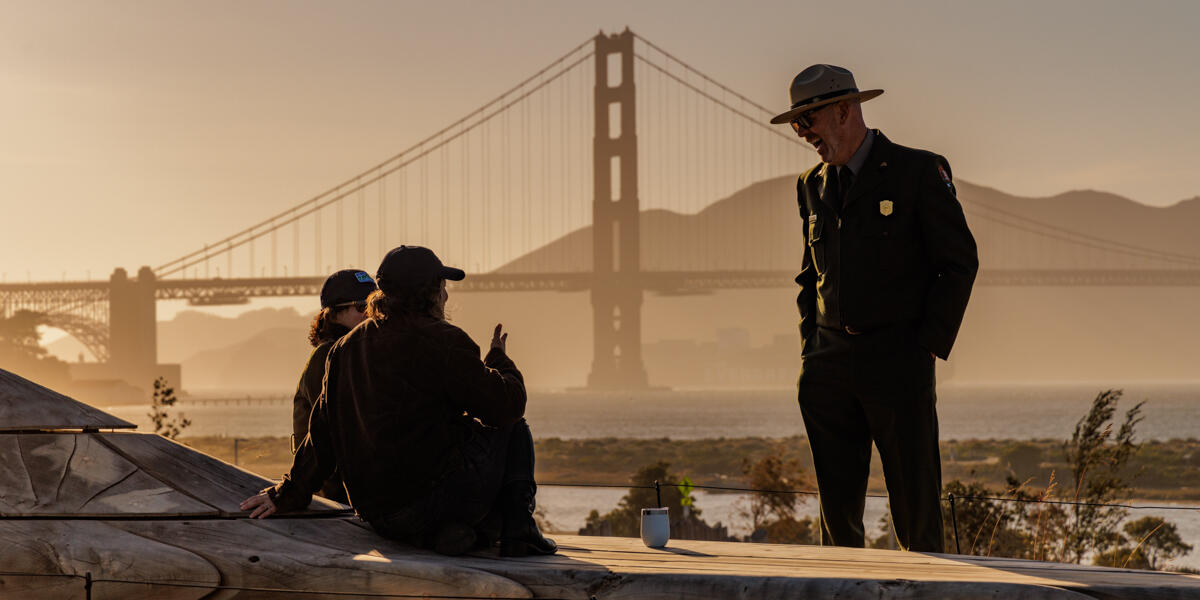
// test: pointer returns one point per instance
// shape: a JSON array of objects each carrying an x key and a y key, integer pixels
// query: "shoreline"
[{"x": 1161, "y": 472}]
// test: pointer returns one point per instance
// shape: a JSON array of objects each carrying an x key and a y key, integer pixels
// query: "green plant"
[
  {"x": 626, "y": 519},
  {"x": 772, "y": 514},
  {"x": 162, "y": 400},
  {"x": 685, "y": 494},
  {"x": 1147, "y": 543},
  {"x": 1021, "y": 525},
  {"x": 1096, "y": 457}
]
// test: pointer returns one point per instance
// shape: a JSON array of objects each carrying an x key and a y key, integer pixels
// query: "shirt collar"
[{"x": 860, "y": 156}]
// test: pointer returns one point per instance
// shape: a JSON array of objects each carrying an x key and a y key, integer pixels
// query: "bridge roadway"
[{"x": 56, "y": 296}]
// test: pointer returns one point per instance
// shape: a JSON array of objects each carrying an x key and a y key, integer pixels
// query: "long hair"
[
  {"x": 324, "y": 328},
  {"x": 419, "y": 302}
]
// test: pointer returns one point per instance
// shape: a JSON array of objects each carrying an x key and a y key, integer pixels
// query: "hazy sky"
[{"x": 133, "y": 132}]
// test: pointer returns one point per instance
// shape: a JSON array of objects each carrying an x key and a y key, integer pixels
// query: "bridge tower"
[
  {"x": 132, "y": 322},
  {"x": 616, "y": 247}
]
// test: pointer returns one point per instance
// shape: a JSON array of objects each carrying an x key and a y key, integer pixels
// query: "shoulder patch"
[{"x": 943, "y": 173}]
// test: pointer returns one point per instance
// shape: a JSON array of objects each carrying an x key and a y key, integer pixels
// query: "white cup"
[{"x": 656, "y": 527}]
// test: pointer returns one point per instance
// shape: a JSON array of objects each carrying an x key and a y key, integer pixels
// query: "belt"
[
  {"x": 859, "y": 330},
  {"x": 850, "y": 329}
]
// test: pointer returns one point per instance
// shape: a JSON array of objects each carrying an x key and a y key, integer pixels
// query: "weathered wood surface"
[
  {"x": 208, "y": 479},
  {"x": 302, "y": 557},
  {"x": 343, "y": 555},
  {"x": 731, "y": 570},
  {"x": 75, "y": 548},
  {"x": 74, "y": 474},
  {"x": 27, "y": 406},
  {"x": 234, "y": 553},
  {"x": 125, "y": 474}
]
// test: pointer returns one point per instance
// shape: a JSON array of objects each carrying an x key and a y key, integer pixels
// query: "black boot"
[{"x": 520, "y": 535}]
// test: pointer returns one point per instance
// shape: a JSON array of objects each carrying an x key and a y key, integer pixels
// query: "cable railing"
[
  {"x": 949, "y": 499},
  {"x": 657, "y": 486}
]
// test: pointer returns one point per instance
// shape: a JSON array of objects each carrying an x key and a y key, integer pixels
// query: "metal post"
[
  {"x": 658, "y": 492},
  {"x": 954, "y": 522},
  {"x": 87, "y": 585}
]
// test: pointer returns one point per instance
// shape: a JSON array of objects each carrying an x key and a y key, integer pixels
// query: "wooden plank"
[
  {"x": 841, "y": 572},
  {"x": 196, "y": 474},
  {"x": 625, "y": 568},
  {"x": 79, "y": 547},
  {"x": 73, "y": 474},
  {"x": 27, "y": 406},
  {"x": 295, "y": 554},
  {"x": 344, "y": 555}
]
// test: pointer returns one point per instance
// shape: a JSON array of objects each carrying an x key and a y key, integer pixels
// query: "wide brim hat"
[{"x": 819, "y": 85}]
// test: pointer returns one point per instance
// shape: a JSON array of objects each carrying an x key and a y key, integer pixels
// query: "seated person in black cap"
[
  {"x": 430, "y": 441},
  {"x": 343, "y": 305}
]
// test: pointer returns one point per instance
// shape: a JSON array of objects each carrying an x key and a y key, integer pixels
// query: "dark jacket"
[
  {"x": 897, "y": 255},
  {"x": 307, "y": 392},
  {"x": 399, "y": 399}
]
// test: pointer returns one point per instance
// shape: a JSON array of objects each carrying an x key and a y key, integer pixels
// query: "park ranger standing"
[{"x": 887, "y": 271}]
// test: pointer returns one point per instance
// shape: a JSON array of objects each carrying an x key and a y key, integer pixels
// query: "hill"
[
  {"x": 758, "y": 228},
  {"x": 748, "y": 337}
]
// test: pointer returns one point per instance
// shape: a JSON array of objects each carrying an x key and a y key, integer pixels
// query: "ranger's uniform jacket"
[{"x": 897, "y": 257}]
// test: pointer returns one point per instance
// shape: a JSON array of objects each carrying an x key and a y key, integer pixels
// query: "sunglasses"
[
  {"x": 361, "y": 305},
  {"x": 804, "y": 119}
]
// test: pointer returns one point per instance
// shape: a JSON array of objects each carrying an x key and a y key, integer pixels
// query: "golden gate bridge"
[{"x": 617, "y": 169}]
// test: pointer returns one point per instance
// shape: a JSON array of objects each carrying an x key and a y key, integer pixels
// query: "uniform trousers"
[{"x": 849, "y": 406}]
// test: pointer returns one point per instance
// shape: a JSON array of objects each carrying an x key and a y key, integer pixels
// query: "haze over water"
[{"x": 1047, "y": 411}]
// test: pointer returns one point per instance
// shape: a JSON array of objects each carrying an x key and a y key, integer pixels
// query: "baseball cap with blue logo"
[{"x": 345, "y": 287}]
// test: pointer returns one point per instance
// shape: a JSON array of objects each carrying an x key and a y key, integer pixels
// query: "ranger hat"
[
  {"x": 819, "y": 85},
  {"x": 410, "y": 267},
  {"x": 346, "y": 286}
]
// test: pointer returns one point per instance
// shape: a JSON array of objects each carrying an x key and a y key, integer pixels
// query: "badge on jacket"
[{"x": 885, "y": 207}]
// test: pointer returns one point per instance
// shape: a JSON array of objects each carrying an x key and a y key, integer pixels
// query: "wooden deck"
[
  {"x": 732, "y": 570},
  {"x": 145, "y": 517},
  {"x": 330, "y": 557}
]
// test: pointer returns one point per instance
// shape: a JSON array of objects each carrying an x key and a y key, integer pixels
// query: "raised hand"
[{"x": 499, "y": 338}]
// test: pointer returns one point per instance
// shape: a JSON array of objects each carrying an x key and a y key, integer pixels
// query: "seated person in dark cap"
[
  {"x": 429, "y": 440},
  {"x": 343, "y": 305}
]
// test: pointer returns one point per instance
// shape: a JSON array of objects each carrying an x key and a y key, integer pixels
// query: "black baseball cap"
[
  {"x": 409, "y": 267},
  {"x": 345, "y": 286}
]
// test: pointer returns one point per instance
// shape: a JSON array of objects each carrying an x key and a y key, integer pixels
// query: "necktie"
[
  {"x": 833, "y": 188},
  {"x": 845, "y": 181}
]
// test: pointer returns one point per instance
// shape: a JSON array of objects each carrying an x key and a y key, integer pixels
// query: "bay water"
[
  {"x": 976, "y": 411},
  {"x": 1001, "y": 411}
]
